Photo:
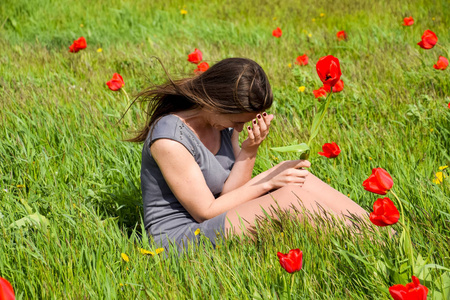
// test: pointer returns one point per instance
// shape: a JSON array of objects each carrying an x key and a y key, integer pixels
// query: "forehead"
[{"x": 242, "y": 117}]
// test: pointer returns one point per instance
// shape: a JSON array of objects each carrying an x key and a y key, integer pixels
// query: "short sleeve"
[{"x": 171, "y": 127}]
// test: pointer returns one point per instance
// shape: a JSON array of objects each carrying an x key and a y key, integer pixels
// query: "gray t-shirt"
[{"x": 164, "y": 216}]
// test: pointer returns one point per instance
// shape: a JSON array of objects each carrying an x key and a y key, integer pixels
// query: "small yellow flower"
[
  {"x": 439, "y": 178},
  {"x": 370, "y": 158},
  {"x": 125, "y": 257},
  {"x": 81, "y": 25},
  {"x": 282, "y": 234},
  {"x": 289, "y": 65},
  {"x": 99, "y": 50},
  {"x": 322, "y": 15},
  {"x": 310, "y": 35},
  {"x": 120, "y": 284},
  {"x": 197, "y": 232},
  {"x": 301, "y": 89},
  {"x": 274, "y": 18},
  {"x": 431, "y": 129},
  {"x": 313, "y": 19},
  {"x": 183, "y": 12},
  {"x": 74, "y": 206},
  {"x": 443, "y": 167},
  {"x": 146, "y": 252},
  {"x": 20, "y": 186},
  {"x": 328, "y": 179},
  {"x": 433, "y": 18},
  {"x": 348, "y": 195},
  {"x": 159, "y": 250}
]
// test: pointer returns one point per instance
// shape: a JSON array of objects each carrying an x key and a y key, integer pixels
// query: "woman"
[{"x": 195, "y": 175}]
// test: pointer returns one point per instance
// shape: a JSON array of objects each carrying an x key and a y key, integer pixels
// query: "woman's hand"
[
  {"x": 289, "y": 172},
  {"x": 257, "y": 132}
]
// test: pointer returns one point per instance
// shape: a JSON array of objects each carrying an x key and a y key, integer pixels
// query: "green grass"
[{"x": 62, "y": 154}]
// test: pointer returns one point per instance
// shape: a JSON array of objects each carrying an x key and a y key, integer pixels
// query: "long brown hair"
[{"x": 231, "y": 86}]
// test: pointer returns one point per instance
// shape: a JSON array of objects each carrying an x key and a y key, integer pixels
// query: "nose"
[{"x": 239, "y": 128}]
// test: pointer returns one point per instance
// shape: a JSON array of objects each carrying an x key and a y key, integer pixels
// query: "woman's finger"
[
  {"x": 256, "y": 130},
  {"x": 262, "y": 123},
  {"x": 267, "y": 118},
  {"x": 250, "y": 133}
]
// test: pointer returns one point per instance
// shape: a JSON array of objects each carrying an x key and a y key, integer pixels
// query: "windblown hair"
[{"x": 231, "y": 86}]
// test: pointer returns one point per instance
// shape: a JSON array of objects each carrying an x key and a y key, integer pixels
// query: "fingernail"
[
  {"x": 254, "y": 121},
  {"x": 264, "y": 114},
  {"x": 259, "y": 116},
  {"x": 249, "y": 128}
]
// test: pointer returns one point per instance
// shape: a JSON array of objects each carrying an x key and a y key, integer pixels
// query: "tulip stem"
[
  {"x": 318, "y": 119},
  {"x": 292, "y": 285},
  {"x": 126, "y": 94},
  {"x": 405, "y": 228}
]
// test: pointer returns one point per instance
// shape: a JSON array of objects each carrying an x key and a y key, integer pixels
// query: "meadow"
[{"x": 70, "y": 198}]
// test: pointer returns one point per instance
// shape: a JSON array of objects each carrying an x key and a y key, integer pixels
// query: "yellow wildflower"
[
  {"x": 99, "y": 50},
  {"x": 370, "y": 158},
  {"x": 21, "y": 186},
  {"x": 322, "y": 15},
  {"x": 81, "y": 25},
  {"x": 310, "y": 35},
  {"x": 146, "y": 252},
  {"x": 120, "y": 284},
  {"x": 183, "y": 12},
  {"x": 282, "y": 234},
  {"x": 439, "y": 178},
  {"x": 289, "y": 65},
  {"x": 274, "y": 18},
  {"x": 197, "y": 232},
  {"x": 301, "y": 89},
  {"x": 443, "y": 167},
  {"x": 431, "y": 129},
  {"x": 313, "y": 19},
  {"x": 433, "y": 18},
  {"x": 159, "y": 250},
  {"x": 125, "y": 257}
]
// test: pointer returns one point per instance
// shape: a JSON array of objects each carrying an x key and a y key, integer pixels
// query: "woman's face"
[{"x": 235, "y": 121}]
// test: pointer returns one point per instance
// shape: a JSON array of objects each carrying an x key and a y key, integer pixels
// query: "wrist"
[{"x": 248, "y": 152}]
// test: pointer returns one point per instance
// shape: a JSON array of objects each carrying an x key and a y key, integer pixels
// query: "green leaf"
[
  {"x": 34, "y": 219},
  {"x": 300, "y": 148}
]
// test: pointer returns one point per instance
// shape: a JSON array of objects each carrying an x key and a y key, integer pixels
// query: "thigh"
[{"x": 315, "y": 196}]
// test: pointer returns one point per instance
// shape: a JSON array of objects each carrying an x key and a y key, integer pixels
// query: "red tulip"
[
  {"x": 384, "y": 212},
  {"x": 411, "y": 291},
  {"x": 195, "y": 57},
  {"x": 379, "y": 182},
  {"x": 291, "y": 261},
  {"x": 302, "y": 60},
  {"x": 321, "y": 92},
  {"x": 429, "y": 39},
  {"x": 329, "y": 70},
  {"x": 6, "y": 290},
  {"x": 330, "y": 150},
  {"x": 341, "y": 35},
  {"x": 116, "y": 83},
  {"x": 78, "y": 45},
  {"x": 277, "y": 32},
  {"x": 202, "y": 67},
  {"x": 408, "y": 21},
  {"x": 441, "y": 64},
  {"x": 339, "y": 86},
  {"x": 449, "y": 105}
]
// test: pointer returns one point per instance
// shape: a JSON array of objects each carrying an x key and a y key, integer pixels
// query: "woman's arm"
[
  {"x": 245, "y": 157},
  {"x": 186, "y": 181}
]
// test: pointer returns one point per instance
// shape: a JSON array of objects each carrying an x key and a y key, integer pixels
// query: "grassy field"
[{"x": 64, "y": 164}]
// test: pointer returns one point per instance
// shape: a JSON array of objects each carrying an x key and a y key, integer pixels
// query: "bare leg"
[{"x": 315, "y": 195}]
